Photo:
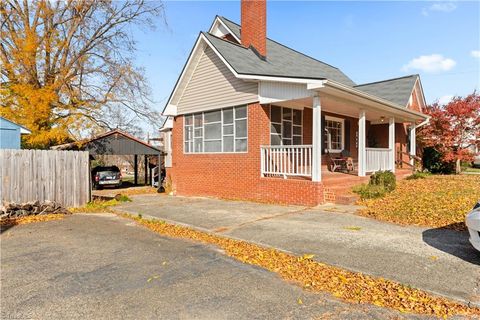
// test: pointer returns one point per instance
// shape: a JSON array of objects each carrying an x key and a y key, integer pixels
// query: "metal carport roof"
[{"x": 115, "y": 142}]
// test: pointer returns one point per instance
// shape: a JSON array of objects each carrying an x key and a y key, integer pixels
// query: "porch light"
[{"x": 382, "y": 119}]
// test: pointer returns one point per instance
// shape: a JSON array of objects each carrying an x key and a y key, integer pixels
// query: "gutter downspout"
[
  {"x": 413, "y": 142},
  {"x": 426, "y": 121}
]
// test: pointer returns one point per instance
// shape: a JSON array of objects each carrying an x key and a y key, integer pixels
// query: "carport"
[{"x": 119, "y": 143}]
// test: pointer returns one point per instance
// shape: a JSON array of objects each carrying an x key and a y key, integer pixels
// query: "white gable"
[{"x": 220, "y": 30}]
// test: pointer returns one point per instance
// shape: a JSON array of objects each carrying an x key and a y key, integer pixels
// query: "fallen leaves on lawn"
[
  {"x": 436, "y": 201},
  {"x": 30, "y": 219},
  {"x": 316, "y": 276}
]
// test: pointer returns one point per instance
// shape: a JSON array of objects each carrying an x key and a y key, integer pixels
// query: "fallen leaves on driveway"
[
  {"x": 131, "y": 191},
  {"x": 97, "y": 206},
  {"x": 436, "y": 201},
  {"x": 316, "y": 276},
  {"x": 152, "y": 278},
  {"x": 30, "y": 219},
  {"x": 353, "y": 228}
]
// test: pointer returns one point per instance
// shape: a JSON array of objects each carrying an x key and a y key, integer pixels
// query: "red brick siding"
[
  {"x": 415, "y": 103},
  {"x": 379, "y": 133},
  {"x": 254, "y": 25},
  {"x": 237, "y": 175},
  {"x": 307, "y": 125},
  {"x": 378, "y": 136}
]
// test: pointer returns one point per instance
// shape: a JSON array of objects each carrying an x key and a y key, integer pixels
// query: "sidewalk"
[{"x": 436, "y": 260}]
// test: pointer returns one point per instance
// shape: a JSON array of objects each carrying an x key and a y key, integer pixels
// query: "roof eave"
[{"x": 373, "y": 98}]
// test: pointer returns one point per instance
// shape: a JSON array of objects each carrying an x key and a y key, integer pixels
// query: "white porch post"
[
  {"x": 391, "y": 142},
  {"x": 316, "y": 140},
  {"x": 413, "y": 143},
  {"x": 362, "y": 154}
]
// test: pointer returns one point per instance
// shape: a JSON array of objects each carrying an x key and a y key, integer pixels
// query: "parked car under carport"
[
  {"x": 119, "y": 143},
  {"x": 106, "y": 176}
]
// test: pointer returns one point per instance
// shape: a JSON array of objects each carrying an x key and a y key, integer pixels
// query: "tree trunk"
[{"x": 458, "y": 168}]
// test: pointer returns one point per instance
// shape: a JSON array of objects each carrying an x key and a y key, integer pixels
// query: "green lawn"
[{"x": 470, "y": 169}]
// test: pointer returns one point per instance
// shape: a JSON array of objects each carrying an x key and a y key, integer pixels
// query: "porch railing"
[
  {"x": 286, "y": 160},
  {"x": 378, "y": 159}
]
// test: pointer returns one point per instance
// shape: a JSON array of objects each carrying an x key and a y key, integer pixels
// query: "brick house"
[{"x": 250, "y": 118}]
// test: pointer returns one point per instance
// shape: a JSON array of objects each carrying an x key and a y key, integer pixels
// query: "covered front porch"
[{"x": 334, "y": 126}]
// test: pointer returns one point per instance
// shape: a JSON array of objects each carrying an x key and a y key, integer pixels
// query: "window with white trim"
[
  {"x": 216, "y": 131},
  {"x": 335, "y": 134},
  {"x": 286, "y": 126}
]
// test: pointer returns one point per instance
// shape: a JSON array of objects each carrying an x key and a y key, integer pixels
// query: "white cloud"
[
  {"x": 431, "y": 63},
  {"x": 445, "y": 99},
  {"x": 443, "y": 6},
  {"x": 439, "y": 7},
  {"x": 475, "y": 53}
]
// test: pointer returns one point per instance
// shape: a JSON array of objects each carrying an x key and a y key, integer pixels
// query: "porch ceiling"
[
  {"x": 347, "y": 106},
  {"x": 336, "y": 98}
]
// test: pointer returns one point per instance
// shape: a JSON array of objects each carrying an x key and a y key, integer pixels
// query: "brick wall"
[
  {"x": 237, "y": 175},
  {"x": 380, "y": 134},
  {"x": 308, "y": 127},
  {"x": 415, "y": 105}
]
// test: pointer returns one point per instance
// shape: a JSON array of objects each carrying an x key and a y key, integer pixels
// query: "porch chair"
[{"x": 342, "y": 163}]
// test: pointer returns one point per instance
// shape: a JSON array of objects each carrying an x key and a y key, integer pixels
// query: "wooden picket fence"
[{"x": 29, "y": 175}]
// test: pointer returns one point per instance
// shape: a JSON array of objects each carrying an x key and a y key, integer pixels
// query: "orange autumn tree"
[
  {"x": 67, "y": 65},
  {"x": 453, "y": 128}
]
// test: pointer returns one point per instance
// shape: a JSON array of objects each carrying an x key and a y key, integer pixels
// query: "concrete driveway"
[
  {"x": 436, "y": 260},
  {"x": 105, "y": 267}
]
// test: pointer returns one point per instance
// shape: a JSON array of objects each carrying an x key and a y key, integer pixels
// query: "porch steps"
[{"x": 338, "y": 186}]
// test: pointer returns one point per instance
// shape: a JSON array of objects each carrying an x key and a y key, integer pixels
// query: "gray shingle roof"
[
  {"x": 396, "y": 90},
  {"x": 281, "y": 61},
  {"x": 285, "y": 62}
]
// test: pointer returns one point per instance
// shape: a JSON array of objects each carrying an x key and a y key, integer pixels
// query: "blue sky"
[{"x": 369, "y": 41}]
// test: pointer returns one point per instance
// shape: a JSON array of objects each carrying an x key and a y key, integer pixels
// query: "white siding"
[
  {"x": 271, "y": 92},
  {"x": 213, "y": 86}
]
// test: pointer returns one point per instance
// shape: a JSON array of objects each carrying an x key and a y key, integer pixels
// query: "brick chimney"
[{"x": 254, "y": 25}]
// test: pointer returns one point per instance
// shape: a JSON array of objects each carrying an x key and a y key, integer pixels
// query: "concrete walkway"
[{"x": 436, "y": 260}]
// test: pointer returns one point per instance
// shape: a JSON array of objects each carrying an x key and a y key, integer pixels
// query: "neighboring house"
[
  {"x": 253, "y": 119},
  {"x": 10, "y": 134}
]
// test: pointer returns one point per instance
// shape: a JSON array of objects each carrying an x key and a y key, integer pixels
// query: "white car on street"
[{"x": 473, "y": 224}]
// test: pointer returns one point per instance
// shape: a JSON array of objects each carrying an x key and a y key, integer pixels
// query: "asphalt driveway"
[
  {"x": 436, "y": 260},
  {"x": 106, "y": 267}
]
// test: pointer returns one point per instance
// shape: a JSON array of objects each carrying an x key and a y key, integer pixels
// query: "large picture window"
[
  {"x": 223, "y": 130},
  {"x": 335, "y": 137},
  {"x": 286, "y": 126}
]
